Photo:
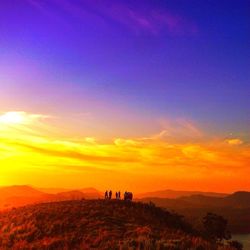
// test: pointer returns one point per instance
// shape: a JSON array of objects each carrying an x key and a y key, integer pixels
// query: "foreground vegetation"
[{"x": 99, "y": 224}]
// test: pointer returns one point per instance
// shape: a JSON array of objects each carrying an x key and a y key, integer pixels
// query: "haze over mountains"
[
  {"x": 21, "y": 195},
  {"x": 172, "y": 194},
  {"x": 234, "y": 207},
  {"x": 238, "y": 199},
  {"x": 15, "y": 196}
]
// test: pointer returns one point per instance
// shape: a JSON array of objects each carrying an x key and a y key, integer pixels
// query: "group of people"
[
  {"x": 127, "y": 195},
  {"x": 108, "y": 195}
]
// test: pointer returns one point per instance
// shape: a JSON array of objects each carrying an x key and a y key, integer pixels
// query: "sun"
[{"x": 12, "y": 117}]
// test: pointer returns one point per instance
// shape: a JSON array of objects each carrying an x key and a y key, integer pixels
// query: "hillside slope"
[{"x": 96, "y": 224}]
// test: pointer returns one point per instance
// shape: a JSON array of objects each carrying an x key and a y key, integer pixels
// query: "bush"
[
  {"x": 236, "y": 244},
  {"x": 215, "y": 227}
]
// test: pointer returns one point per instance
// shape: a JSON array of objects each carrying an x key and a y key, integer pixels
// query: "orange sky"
[{"x": 35, "y": 150}]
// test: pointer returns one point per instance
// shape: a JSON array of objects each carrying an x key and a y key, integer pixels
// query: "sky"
[{"x": 130, "y": 95}]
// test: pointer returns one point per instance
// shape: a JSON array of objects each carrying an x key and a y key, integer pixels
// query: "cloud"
[
  {"x": 136, "y": 17},
  {"x": 180, "y": 128},
  {"x": 46, "y": 9},
  {"x": 90, "y": 140},
  {"x": 152, "y": 20},
  {"x": 125, "y": 142},
  {"x": 20, "y": 117},
  {"x": 234, "y": 141},
  {"x": 132, "y": 152},
  {"x": 154, "y": 156},
  {"x": 50, "y": 149}
]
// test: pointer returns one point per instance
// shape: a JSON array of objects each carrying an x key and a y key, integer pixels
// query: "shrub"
[{"x": 215, "y": 227}]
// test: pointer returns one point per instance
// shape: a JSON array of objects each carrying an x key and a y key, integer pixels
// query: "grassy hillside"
[{"x": 96, "y": 224}]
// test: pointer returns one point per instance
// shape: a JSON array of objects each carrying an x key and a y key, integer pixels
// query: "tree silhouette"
[
  {"x": 237, "y": 245},
  {"x": 216, "y": 227}
]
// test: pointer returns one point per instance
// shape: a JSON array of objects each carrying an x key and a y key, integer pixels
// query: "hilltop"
[{"x": 96, "y": 224}]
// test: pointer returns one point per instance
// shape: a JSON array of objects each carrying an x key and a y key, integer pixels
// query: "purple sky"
[{"x": 130, "y": 64}]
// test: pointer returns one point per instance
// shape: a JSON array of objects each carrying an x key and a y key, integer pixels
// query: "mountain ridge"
[
  {"x": 173, "y": 194},
  {"x": 20, "y": 195}
]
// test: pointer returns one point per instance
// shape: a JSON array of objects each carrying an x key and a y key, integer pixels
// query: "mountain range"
[
  {"x": 173, "y": 194},
  {"x": 16, "y": 196},
  {"x": 234, "y": 207}
]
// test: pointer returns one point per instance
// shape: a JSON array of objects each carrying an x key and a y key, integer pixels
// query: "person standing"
[{"x": 110, "y": 194}]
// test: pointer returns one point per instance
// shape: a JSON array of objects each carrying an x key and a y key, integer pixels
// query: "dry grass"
[{"x": 97, "y": 224}]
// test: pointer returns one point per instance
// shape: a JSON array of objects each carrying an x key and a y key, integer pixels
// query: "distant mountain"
[
  {"x": 173, "y": 194},
  {"x": 236, "y": 200},
  {"x": 69, "y": 195},
  {"x": 97, "y": 224},
  {"x": 53, "y": 190},
  {"x": 240, "y": 199},
  {"x": 16, "y": 196},
  {"x": 19, "y": 191},
  {"x": 91, "y": 193},
  {"x": 235, "y": 207}
]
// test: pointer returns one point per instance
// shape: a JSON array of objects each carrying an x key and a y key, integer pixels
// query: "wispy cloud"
[
  {"x": 139, "y": 158},
  {"x": 136, "y": 17},
  {"x": 179, "y": 128},
  {"x": 139, "y": 19},
  {"x": 46, "y": 9}
]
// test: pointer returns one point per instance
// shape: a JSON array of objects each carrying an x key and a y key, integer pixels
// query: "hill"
[
  {"x": 52, "y": 190},
  {"x": 91, "y": 193},
  {"x": 26, "y": 191},
  {"x": 16, "y": 196},
  {"x": 97, "y": 224},
  {"x": 235, "y": 208},
  {"x": 240, "y": 199},
  {"x": 173, "y": 194}
]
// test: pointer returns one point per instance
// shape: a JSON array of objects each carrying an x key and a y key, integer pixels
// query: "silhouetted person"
[
  {"x": 110, "y": 194},
  {"x": 106, "y": 194},
  {"x": 119, "y": 195},
  {"x": 128, "y": 196},
  {"x": 116, "y": 195}
]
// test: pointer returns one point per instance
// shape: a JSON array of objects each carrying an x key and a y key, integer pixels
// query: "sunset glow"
[
  {"x": 12, "y": 118},
  {"x": 29, "y": 155},
  {"x": 125, "y": 95}
]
